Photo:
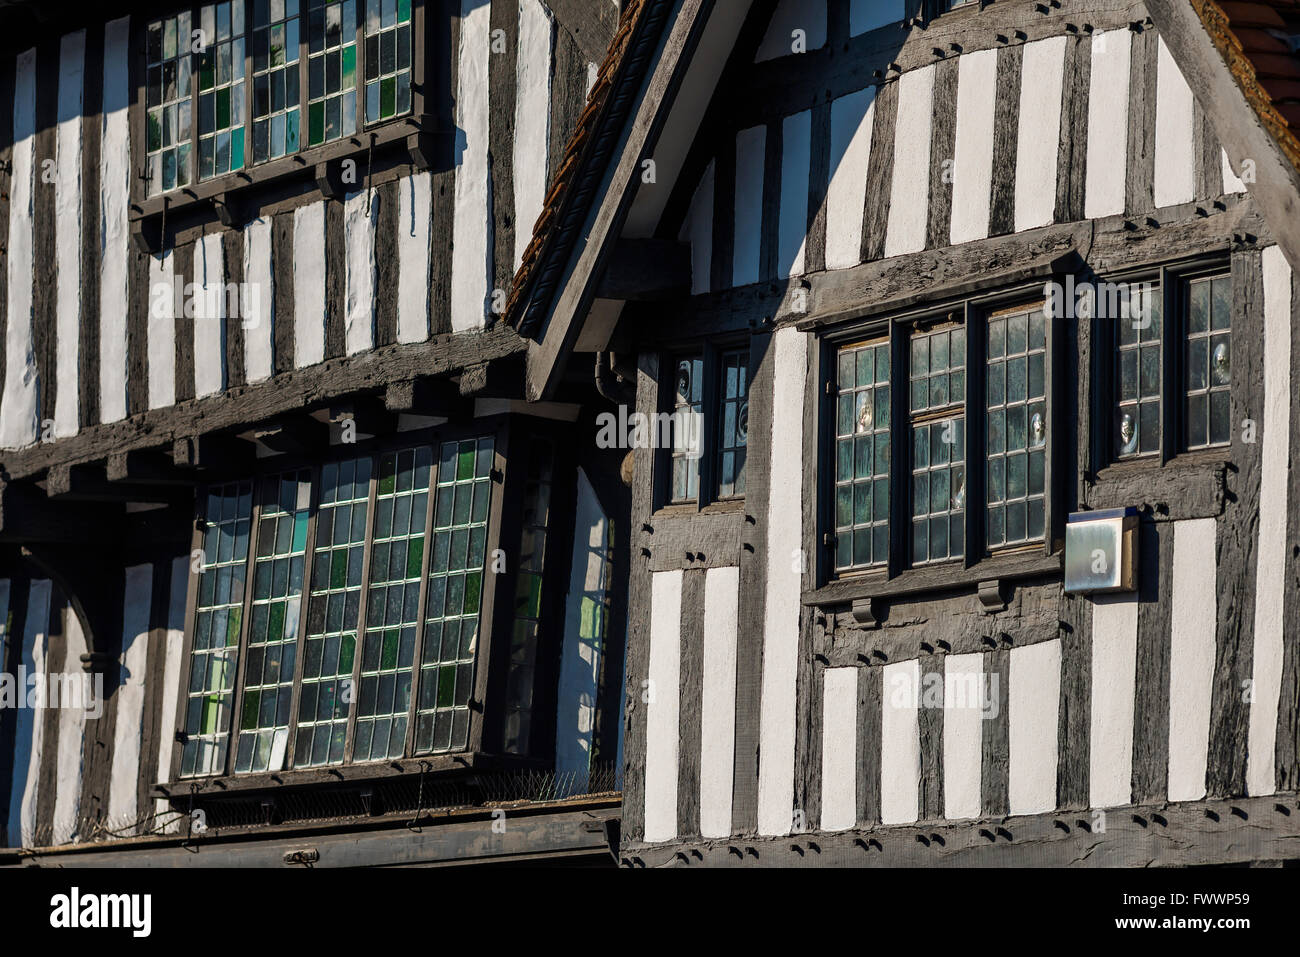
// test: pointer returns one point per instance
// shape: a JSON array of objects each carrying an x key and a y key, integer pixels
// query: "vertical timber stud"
[
  {"x": 691, "y": 681},
  {"x": 1238, "y": 543},
  {"x": 869, "y": 713},
  {"x": 1288, "y": 712},
  {"x": 1072, "y": 151},
  {"x": 995, "y": 767},
  {"x": 942, "y": 153},
  {"x": 1006, "y": 136},
  {"x": 880, "y": 174},
  {"x": 1151, "y": 697},
  {"x": 753, "y": 585},
  {"x": 91, "y": 136},
  {"x": 1139, "y": 187},
  {"x": 638, "y": 618}
]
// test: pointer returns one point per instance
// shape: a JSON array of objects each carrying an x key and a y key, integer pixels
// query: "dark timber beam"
[
  {"x": 293, "y": 435},
  {"x": 423, "y": 395},
  {"x": 646, "y": 270},
  {"x": 89, "y": 483},
  {"x": 1236, "y": 123},
  {"x": 369, "y": 416},
  {"x": 216, "y": 452},
  {"x": 1169, "y": 835},
  {"x": 28, "y": 516},
  {"x": 146, "y": 466}
]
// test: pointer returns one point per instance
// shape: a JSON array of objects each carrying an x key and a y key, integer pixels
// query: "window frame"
[
  {"x": 420, "y": 138},
  {"x": 710, "y": 353},
  {"x": 1173, "y": 279},
  {"x": 972, "y": 312},
  {"x": 481, "y": 707}
]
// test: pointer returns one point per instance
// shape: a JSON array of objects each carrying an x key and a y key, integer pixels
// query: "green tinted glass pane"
[
  {"x": 237, "y": 148},
  {"x": 316, "y": 123},
  {"x": 388, "y": 97},
  {"x": 349, "y": 67},
  {"x": 403, "y": 11}
]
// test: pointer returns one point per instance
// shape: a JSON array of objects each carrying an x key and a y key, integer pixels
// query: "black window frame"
[
  {"x": 420, "y": 139},
  {"x": 487, "y": 698},
  {"x": 710, "y": 353},
  {"x": 977, "y": 558},
  {"x": 1173, "y": 280}
]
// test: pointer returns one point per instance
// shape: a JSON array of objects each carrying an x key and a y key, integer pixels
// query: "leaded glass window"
[
  {"x": 733, "y": 423},
  {"x": 862, "y": 455},
  {"x": 1139, "y": 411},
  {"x": 528, "y": 598},
  {"x": 276, "y": 83},
  {"x": 1208, "y": 364},
  {"x": 937, "y": 377},
  {"x": 388, "y": 59},
  {"x": 456, "y": 568},
  {"x": 168, "y": 103},
  {"x": 337, "y": 565},
  {"x": 392, "y": 604},
  {"x": 1016, "y": 391},
  {"x": 688, "y": 404},
  {"x": 272, "y": 646},
  {"x": 218, "y": 620},
  {"x": 331, "y": 70}
]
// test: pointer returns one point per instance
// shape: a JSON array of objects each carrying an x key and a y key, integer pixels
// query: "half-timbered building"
[{"x": 950, "y": 284}]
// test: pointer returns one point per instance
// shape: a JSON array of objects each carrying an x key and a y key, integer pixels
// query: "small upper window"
[
  {"x": 1172, "y": 376},
  {"x": 710, "y": 406}
]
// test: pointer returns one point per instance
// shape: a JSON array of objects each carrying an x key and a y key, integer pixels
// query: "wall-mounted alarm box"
[{"x": 1101, "y": 552}]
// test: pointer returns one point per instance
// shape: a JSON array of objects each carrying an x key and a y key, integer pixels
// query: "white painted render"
[
  {"x": 309, "y": 284},
  {"x": 114, "y": 226},
  {"x": 1107, "y": 124},
  {"x": 29, "y": 724},
  {"x": 1175, "y": 175},
  {"x": 909, "y": 201},
  {"x": 22, "y": 395},
  {"x": 963, "y": 733},
  {"x": 160, "y": 346},
  {"x": 852, "y": 118},
  {"x": 718, "y": 707},
  {"x": 414, "y": 216},
  {"x": 697, "y": 229},
  {"x": 1042, "y": 74},
  {"x": 259, "y": 279},
  {"x": 839, "y": 748},
  {"x": 584, "y": 637},
  {"x": 900, "y": 743},
  {"x": 210, "y": 316},
  {"x": 784, "y": 582},
  {"x": 1274, "y": 477},
  {"x": 471, "y": 258},
  {"x": 1114, "y": 684},
  {"x": 360, "y": 210},
  {"x": 129, "y": 698},
  {"x": 72, "y": 736},
  {"x": 793, "y": 22},
  {"x": 972, "y": 170},
  {"x": 792, "y": 231},
  {"x": 174, "y": 649},
  {"x": 67, "y": 232},
  {"x": 532, "y": 118},
  {"x": 662, "y": 696},
  {"x": 750, "y": 158},
  {"x": 1033, "y": 707},
  {"x": 1192, "y": 620}
]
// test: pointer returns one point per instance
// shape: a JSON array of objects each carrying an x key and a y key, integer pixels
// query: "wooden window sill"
[
  {"x": 1191, "y": 485},
  {"x": 937, "y": 579}
]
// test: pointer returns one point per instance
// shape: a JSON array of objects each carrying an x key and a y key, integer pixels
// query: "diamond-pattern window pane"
[
  {"x": 456, "y": 570},
  {"x": 324, "y": 705},
  {"x": 520, "y": 678},
  {"x": 168, "y": 104},
  {"x": 1208, "y": 363},
  {"x": 272, "y": 645},
  {"x": 331, "y": 70},
  {"x": 277, "y": 72},
  {"x": 218, "y": 619},
  {"x": 220, "y": 66},
  {"x": 733, "y": 423},
  {"x": 392, "y": 603},
  {"x": 862, "y": 455},
  {"x": 388, "y": 59},
  {"x": 1016, "y": 390},
  {"x": 1138, "y": 378}
]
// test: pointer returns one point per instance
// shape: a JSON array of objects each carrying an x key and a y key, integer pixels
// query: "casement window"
[
  {"x": 709, "y": 426},
  {"x": 958, "y": 471},
  {"x": 240, "y": 83},
  {"x": 337, "y": 611},
  {"x": 1172, "y": 366}
]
